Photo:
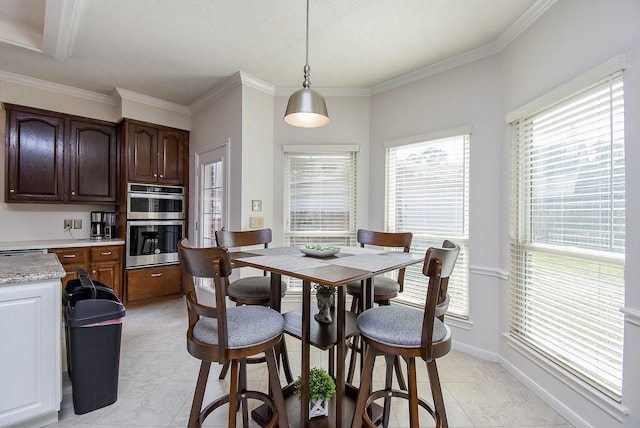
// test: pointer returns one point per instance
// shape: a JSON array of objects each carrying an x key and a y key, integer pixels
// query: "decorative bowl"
[{"x": 319, "y": 251}]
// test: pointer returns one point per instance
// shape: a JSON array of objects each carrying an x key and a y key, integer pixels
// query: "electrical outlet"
[
  {"x": 67, "y": 223},
  {"x": 77, "y": 223}
]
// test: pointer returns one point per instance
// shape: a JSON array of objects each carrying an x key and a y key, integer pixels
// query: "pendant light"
[{"x": 306, "y": 108}]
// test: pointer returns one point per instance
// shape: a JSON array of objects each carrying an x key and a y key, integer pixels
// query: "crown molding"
[
  {"x": 285, "y": 91},
  {"x": 127, "y": 95},
  {"x": 57, "y": 88},
  {"x": 518, "y": 27}
]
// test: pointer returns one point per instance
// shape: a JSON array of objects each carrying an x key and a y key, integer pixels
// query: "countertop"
[
  {"x": 57, "y": 243},
  {"x": 39, "y": 267}
]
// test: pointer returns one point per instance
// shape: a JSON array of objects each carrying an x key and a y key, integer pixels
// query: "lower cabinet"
[
  {"x": 30, "y": 363},
  {"x": 151, "y": 283},
  {"x": 103, "y": 263}
]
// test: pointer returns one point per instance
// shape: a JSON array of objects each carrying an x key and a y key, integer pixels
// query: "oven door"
[
  {"x": 153, "y": 242},
  {"x": 155, "y": 206}
]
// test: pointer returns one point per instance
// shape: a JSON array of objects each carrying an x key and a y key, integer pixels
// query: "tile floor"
[{"x": 157, "y": 377}]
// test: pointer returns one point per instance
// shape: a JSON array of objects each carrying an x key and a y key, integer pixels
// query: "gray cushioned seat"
[
  {"x": 381, "y": 285},
  {"x": 246, "y": 325},
  {"x": 254, "y": 287},
  {"x": 397, "y": 326}
]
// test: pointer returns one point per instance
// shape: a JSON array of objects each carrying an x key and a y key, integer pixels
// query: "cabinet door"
[
  {"x": 106, "y": 267},
  {"x": 142, "y": 153},
  {"x": 171, "y": 147},
  {"x": 92, "y": 158},
  {"x": 34, "y": 157}
]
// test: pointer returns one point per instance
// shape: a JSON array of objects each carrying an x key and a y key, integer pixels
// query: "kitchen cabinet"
[
  {"x": 103, "y": 263},
  {"x": 57, "y": 158},
  {"x": 152, "y": 283},
  {"x": 92, "y": 162},
  {"x": 31, "y": 358},
  {"x": 154, "y": 154},
  {"x": 34, "y": 156}
]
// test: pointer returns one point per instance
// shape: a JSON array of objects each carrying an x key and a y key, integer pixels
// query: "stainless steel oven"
[
  {"x": 153, "y": 242},
  {"x": 151, "y": 202}
]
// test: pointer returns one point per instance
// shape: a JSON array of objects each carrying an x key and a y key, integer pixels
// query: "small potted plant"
[
  {"x": 325, "y": 297},
  {"x": 321, "y": 388}
]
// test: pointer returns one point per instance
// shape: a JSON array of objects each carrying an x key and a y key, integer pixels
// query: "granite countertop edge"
[
  {"x": 27, "y": 269},
  {"x": 57, "y": 243}
]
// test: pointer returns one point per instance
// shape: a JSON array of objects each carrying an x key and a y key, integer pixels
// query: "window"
[
  {"x": 320, "y": 195},
  {"x": 568, "y": 240},
  {"x": 427, "y": 193}
]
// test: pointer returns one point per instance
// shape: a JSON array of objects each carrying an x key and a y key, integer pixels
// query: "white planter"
[{"x": 318, "y": 408}]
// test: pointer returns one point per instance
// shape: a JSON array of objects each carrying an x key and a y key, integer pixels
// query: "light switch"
[{"x": 256, "y": 222}]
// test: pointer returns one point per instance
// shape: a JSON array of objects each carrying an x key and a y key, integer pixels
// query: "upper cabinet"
[
  {"x": 155, "y": 154},
  {"x": 34, "y": 157},
  {"x": 92, "y": 160},
  {"x": 58, "y": 158}
]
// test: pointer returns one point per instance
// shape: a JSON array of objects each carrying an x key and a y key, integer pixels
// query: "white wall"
[
  {"x": 466, "y": 96},
  {"x": 571, "y": 38}
]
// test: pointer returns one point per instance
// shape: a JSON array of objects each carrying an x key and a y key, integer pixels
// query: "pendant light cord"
[{"x": 307, "y": 40}]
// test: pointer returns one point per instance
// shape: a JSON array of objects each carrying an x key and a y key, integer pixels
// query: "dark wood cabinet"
[
  {"x": 92, "y": 159},
  {"x": 153, "y": 283},
  {"x": 154, "y": 154},
  {"x": 57, "y": 158},
  {"x": 34, "y": 157},
  {"x": 103, "y": 263}
]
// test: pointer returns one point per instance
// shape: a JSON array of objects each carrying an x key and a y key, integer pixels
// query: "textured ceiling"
[{"x": 178, "y": 50}]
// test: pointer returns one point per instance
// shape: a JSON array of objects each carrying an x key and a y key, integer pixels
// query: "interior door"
[{"x": 212, "y": 197}]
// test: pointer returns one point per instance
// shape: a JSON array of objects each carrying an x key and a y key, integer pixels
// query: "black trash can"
[{"x": 93, "y": 321}]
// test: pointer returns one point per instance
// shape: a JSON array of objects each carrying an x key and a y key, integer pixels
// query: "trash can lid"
[{"x": 83, "y": 310}]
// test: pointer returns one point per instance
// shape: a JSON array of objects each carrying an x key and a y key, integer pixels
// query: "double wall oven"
[{"x": 155, "y": 224}]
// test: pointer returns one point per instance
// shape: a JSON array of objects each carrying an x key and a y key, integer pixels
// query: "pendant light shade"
[{"x": 306, "y": 108}]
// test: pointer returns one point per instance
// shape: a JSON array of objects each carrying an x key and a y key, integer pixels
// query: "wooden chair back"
[
  {"x": 438, "y": 266},
  {"x": 389, "y": 240},
  {"x": 245, "y": 238},
  {"x": 214, "y": 263}
]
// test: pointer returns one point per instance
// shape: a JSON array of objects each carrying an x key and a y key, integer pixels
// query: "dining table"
[{"x": 349, "y": 264}]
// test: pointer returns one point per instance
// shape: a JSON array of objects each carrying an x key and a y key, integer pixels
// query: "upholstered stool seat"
[
  {"x": 381, "y": 285},
  {"x": 253, "y": 288},
  {"x": 246, "y": 326},
  {"x": 398, "y": 326},
  {"x": 408, "y": 333}
]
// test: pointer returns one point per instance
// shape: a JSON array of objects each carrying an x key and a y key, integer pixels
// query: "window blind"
[
  {"x": 568, "y": 240},
  {"x": 320, "y": 198},
  {"x": 427, "y": 193}
]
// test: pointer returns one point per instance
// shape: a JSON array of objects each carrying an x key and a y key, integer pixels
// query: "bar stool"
[
  {"x": 384, "y": 288},
  {"x": 410, "y": 333},
  {"x": 229, "y": 335},
  {"x": 252, "y": 290}
]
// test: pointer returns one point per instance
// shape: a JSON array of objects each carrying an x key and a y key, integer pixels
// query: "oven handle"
[{"x": 156, "y": 195}]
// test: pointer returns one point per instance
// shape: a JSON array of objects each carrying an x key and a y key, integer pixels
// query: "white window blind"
[
  {"x": 320, "y": 197},
  {"x": 569, "y": 233},
  {"x": 427, "y": 193}
]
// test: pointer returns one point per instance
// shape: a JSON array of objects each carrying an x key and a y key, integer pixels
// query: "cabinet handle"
[
  {"x": 95, "y": 272},
  {"x": 12, "y": 191},
  {"x": 73, "y": 193},
  {"x": 161, "y": 176},
  {"x": 108, "y": 253},
  {"x": 155, "y": 175},
  {"x": 69, "y": 256},
  {"x": 154, "y": 275}
]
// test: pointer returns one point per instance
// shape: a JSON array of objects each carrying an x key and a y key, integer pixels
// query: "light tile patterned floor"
[{"x": 157, "y": 377}]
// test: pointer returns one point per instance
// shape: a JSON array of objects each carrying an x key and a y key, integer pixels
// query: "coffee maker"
[
  {"x": 103, "y": 225},
  {"x": 110, "y": 225},
  {"x": 98, "y": 224}
]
